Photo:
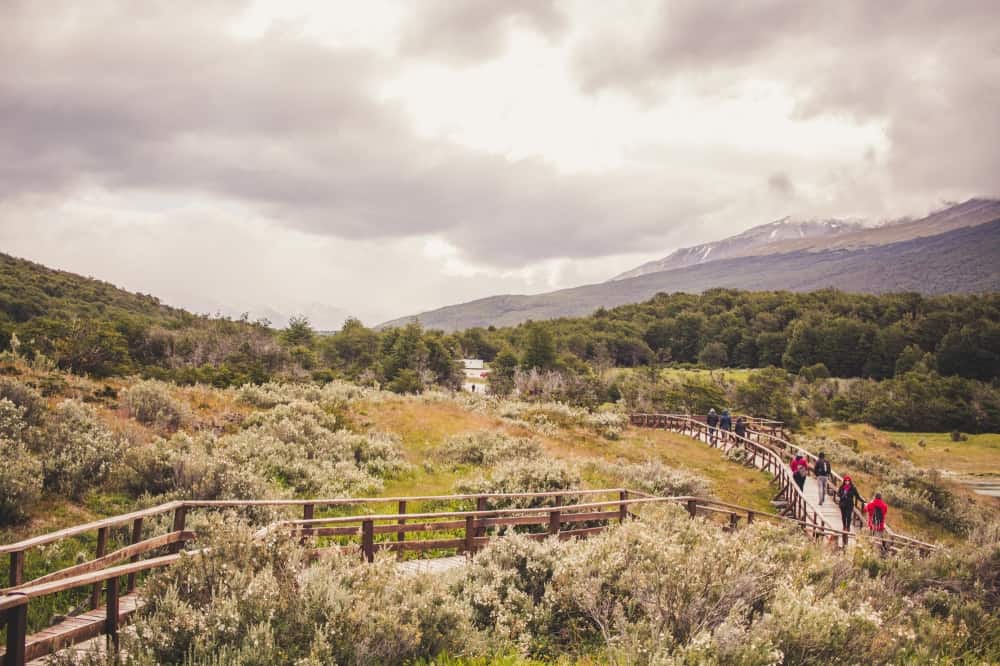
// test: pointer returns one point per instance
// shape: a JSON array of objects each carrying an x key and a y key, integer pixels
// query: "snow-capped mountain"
[{"x": 748, "y": 242}]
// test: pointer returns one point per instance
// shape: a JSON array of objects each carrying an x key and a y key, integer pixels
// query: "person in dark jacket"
[
  {"x": 713, "y": 421},
  {"x": 822, "y": 470},
  {"x": 741, "y": 427},
  {"x": 725, "y": 424},
  {"x": 846, "y": 496}
]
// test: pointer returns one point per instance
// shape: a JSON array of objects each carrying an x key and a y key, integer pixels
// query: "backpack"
[{"x": 877, "y": 516}]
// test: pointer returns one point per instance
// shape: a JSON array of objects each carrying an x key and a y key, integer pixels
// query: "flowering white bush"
[
  {"x": 150, "y": 402},
  {"x": 524, "y": 476},
  {"x": 76, "y": 450},
  {"x": 256, "y": 602},
  {"x": 609, "y": 425},
  {"x": 20, "y": 471},
  {"x": 488, "y": 448},
  {"x": 656, "y": 478}
]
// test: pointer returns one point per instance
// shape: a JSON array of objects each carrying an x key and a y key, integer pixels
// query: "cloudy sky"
[{"x": 383, "y": 157}]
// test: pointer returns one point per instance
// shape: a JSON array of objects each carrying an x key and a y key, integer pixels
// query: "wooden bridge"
[
  {"x": 766, "y": 447},
  {"x": 111, "y": 575}
]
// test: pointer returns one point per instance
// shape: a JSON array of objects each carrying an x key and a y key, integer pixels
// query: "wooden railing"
[
  {"x": 366, "y": 534},
  {"x": 781, "y": 452}
]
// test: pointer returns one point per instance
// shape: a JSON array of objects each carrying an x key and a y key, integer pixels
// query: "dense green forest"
[{"x": 897, "y": 360}]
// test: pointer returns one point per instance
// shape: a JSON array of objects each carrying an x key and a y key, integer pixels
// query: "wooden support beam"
[
  {"x": 17, "y": 635},
  {"x": 555, "y": 522},
  {"x": 180, "y": 515},
  {"x": 16, "y": 576},
  {"x": 481, "y": 506},
  {"x": 102, "y": 548},
  {"x": 692, "y": 507},
  {"x": 623, "y": 507},
  {"x": 136, "y": 538},
  {"x": 368, "y": 540},
  {"x": 111, "y": 614},
  {"x": 308, "y": 510},
  {"x": 470, "y": 534}
]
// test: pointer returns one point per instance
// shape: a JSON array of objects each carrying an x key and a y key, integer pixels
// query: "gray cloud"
[
  {"x": 158, "y": 97},
  {"x": 463, "y": 31},
  {"x": 780, "y": 184},
  {"x": 929, "y": 69}
]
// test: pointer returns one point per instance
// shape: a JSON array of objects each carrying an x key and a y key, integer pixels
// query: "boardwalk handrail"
[
  {"x": 784, "y": 450},
  {"x": 771, "y": 460},
  {"x": 473, "y": 524}
]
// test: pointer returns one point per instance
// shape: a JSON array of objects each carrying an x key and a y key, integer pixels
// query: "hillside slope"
[{"x": 965, "y": 260}]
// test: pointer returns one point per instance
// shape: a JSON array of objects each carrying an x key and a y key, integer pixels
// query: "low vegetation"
[{"x": 661, "y": 590}]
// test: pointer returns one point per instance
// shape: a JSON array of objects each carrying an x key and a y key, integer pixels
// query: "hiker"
[
  {"x": 877, "y": 510},
  {"x": 822, "y": 471},
  {"x": 846, "y": 495},
  {"x": 726, "y": 424},
  {"x": 800, "y": 467},
  {"x": 712, "y": 420},
  {"x": 741, "y": 427}
]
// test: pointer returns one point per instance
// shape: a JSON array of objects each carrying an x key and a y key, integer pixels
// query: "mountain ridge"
[
  {"x": 963, "y": 260},
  {"x": 788, "y": 234}
]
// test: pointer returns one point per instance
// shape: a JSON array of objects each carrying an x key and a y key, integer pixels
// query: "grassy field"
[
  {"x": 424, "y": 427},
  {"x": 980, "y": 454}
]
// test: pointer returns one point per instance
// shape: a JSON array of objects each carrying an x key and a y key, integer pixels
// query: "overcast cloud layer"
[{"x": 358, "y": 158}]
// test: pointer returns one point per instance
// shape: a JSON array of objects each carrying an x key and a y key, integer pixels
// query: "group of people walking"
[
  {"x": 721, "y": 425},
  {"x": 847, "y": 493},
  {"x": 722, "y": 428}
]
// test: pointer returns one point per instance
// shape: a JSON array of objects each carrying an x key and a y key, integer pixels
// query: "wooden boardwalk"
[{"x": 455, "y": 533}]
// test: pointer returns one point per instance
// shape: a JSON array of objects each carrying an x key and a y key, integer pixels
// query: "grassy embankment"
[{"x": 979, "y": 455}]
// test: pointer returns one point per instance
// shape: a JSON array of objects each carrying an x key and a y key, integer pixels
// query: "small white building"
[{"x": 475, "y": 374}]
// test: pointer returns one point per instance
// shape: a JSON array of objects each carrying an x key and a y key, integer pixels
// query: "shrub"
[
  {"x": 505, "y": 586},
  {"x": 524, "y": 476},
  {"x": 609, "y": 425},
  {"x": 488, "y": 448},
  {"x": 150, "y": 402},
  {"x": 249, "y": 601},
  {"x": 655, "y": 478},
  {"x": 77, "y": 451},
  {"x": 20, "y": 472},
  {"x": 26, "y": 398}
]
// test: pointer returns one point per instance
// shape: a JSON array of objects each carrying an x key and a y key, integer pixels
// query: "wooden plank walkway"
[{"x": 77, "y": 628}]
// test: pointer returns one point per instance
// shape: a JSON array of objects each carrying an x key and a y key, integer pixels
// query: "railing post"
[
  {"x": 136, "y": 538},
  {"x": 368, "y": 540},
  {"x": 692, "y": 506},
  {"x": 111, "y": 616},
  {"x": 401, "y": 535},
  {"x": 622, "y": 506},
  {"x": 102, "y": 547},
  {"x": 555, "y": 522},
  {"x": 470, "y": 534},
  {"x": 481, "y": 506},
  {"x": 308, "y": 511},
  {"x": 749, "y": 517},
  {"x": 734, "y": 520},
  {"x": 180, "y": 515},
  {"x": 17, "y": 635},
  {"x": 16, "y": 576}
]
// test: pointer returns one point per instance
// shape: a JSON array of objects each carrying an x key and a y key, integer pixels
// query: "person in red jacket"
[
  {"x": 800, "y": 467},
  {"x": 877, "y": 510}
]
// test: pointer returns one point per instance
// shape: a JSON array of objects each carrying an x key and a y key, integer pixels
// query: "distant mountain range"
[
  {"x": 955, "y": 250},
  {"x": 766, "y": 235}
]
